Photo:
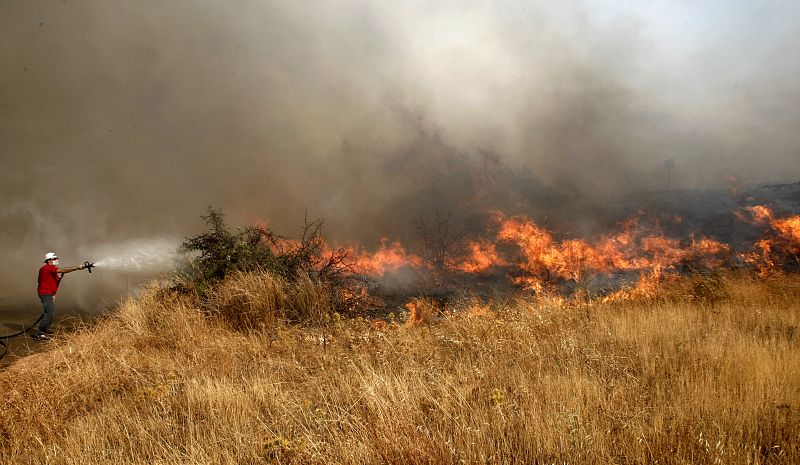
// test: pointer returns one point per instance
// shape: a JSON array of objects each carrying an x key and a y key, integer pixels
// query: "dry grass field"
[{"x": 701, "y": 373}]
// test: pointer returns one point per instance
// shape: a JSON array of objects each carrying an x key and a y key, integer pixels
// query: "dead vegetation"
[{"x": 262, "y": 371}]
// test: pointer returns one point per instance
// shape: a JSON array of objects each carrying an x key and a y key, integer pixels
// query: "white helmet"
[{"x": 50, "y": 256}]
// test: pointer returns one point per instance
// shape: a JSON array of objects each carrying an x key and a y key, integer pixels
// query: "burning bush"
[
  {"x": 264, "y": 262},
  {"x": 220, "y": 251}
]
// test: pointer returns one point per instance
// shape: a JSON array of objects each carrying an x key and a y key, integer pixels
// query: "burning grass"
[
  {"x": 514, "y": 252},
  {"x": 263, "y": 371}
]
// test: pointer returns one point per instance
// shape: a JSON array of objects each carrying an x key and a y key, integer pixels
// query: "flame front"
[
  {"x": 534, "y": 258},
  {"x": 546, "y": 261}
]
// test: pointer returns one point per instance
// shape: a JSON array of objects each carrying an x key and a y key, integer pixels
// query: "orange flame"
[
  {"x": 541, "y": 262},
  {"x": 482, "y": 257},
  {"x": 422, "y": 311},
  {"x": 386, "y": 259},
  {"x": 546, "y": 260},
  {"x": 781, "y": 244}
]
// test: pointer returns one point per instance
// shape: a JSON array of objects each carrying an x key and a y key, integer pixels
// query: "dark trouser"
[{"x": 49, "y": 311}]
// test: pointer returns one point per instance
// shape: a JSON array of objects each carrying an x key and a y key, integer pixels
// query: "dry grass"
[
  {"x": 164, "y": 381},
  {"x": 262, "y": 302}
]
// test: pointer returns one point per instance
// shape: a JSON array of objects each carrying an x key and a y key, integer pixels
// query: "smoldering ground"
[{"x": 122, "y": 121}]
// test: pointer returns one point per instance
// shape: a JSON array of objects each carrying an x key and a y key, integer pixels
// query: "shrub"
[
  {"x": 220, "y": 251},
  {"x": 304, "y": 262}
]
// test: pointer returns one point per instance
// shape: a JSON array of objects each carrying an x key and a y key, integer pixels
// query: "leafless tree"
[{"x": 440, "y": 240}]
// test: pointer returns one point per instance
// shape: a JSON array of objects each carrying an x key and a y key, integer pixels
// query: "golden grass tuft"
[
  {"x": 167, "y": 380},
  {"x": 248, "y": 301}
]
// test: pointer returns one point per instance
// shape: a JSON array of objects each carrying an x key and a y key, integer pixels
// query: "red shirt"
[{"x": 48, "y": 280}]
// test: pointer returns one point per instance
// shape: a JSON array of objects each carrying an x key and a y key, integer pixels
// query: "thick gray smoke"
[{"x": 122, "y": 121}]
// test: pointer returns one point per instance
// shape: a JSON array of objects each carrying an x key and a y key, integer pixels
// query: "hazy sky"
[{"x": 123, "y": 120}]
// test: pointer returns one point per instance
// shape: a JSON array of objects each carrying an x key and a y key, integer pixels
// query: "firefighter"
[{"x": 50, "y": 275}]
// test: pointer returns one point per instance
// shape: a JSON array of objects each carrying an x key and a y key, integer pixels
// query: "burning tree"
[{"x": 440, "y": 241}]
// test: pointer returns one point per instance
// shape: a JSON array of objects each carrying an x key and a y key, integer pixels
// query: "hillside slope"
[{"x": 690, "y": 376}]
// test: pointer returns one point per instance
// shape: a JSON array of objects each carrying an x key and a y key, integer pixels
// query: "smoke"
[{"x": 124, "y": 120}]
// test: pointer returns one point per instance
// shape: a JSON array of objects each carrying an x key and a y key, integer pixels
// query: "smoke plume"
[{"x": 122, "y": 121}]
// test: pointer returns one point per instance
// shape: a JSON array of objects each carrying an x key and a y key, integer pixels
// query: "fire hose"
[{"x": 3, "y": 343}]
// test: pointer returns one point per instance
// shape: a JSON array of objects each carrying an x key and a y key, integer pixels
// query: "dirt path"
[{"x": 18, "y": 317}]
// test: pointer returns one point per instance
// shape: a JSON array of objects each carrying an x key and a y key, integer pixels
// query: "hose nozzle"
[{"x": 88, "y": 266}]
